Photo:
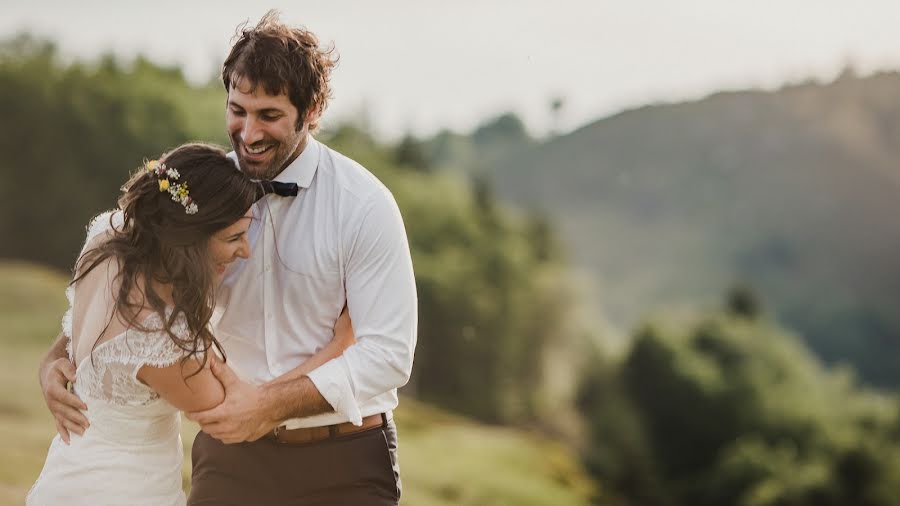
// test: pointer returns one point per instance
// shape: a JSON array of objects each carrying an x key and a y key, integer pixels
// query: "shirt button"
[{"x": 268, "y": 267}]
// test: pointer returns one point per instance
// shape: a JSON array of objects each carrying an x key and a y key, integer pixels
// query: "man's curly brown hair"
[{"x": 283, "y": 60}]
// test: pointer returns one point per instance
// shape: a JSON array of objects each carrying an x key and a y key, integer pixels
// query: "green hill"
[
  {"x": 794, "y": 192},
  {"x": 445, "y": 459}
]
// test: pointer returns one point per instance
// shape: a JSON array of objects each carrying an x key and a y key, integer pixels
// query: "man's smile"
[{"x": 257, "y": 152}]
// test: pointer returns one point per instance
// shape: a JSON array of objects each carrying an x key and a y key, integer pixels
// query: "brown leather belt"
[{"x": 306, "y": 435}]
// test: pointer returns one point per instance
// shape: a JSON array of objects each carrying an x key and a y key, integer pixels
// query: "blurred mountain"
[{"x": 794, "y": 192}]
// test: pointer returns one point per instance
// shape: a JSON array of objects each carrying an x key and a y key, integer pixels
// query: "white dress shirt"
[{"x": 340, "y": 239}]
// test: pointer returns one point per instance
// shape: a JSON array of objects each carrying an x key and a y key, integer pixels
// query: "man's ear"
[{"x": 312, "y": 116}]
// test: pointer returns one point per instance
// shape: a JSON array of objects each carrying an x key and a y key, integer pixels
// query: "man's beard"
[{"x": 283, "y": 153}]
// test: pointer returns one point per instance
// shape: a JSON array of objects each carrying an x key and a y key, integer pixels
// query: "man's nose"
[{"x": 251, "y": 131}]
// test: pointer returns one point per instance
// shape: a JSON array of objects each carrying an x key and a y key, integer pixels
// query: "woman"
[{"x": 141, "y": 301}]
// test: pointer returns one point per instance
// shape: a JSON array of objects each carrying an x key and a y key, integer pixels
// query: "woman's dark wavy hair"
[
  {"x": 160, "y": 241},
  {"x": 283, "y": 60}
]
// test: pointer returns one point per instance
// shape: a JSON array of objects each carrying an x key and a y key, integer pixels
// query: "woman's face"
[{"x": 229, "y": 244}]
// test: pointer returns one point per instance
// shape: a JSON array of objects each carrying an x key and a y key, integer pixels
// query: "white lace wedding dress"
[{"x": 132, "y": 453}]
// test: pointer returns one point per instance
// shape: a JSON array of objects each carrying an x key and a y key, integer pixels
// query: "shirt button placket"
[{"x": 268, "y": 322}]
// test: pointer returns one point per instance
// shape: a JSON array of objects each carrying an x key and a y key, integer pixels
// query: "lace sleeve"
[{"x": 155, "y": 348}]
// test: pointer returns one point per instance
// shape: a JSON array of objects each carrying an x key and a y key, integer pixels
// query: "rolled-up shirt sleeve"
[{"x": 381, "y": 298}]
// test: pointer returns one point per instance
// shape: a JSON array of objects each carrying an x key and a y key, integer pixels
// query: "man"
[{"x": 331, "y": 236}]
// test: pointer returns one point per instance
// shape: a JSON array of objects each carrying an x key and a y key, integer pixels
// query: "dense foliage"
[{"x": 733, "y": 410}]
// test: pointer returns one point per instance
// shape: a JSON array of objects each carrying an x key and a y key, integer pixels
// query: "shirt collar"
[{"x": 303, "y": 168}]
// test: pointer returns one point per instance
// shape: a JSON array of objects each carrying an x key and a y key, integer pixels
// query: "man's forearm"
[
  {"x": 57, "y": 351},
  {"x": 294, "y": 396}
]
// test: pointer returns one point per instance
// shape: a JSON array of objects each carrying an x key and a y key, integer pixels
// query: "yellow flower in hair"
[
  {"x": 151, "y": 165},
  {"x": 163, "y": 185}
]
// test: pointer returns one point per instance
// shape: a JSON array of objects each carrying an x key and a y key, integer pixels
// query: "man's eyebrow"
[{"x": 267, "y": 110}]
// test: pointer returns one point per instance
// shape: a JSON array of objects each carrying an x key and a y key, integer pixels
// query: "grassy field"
[{"x": 444, "y": 459}]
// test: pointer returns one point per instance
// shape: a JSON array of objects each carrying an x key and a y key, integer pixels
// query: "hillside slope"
[{"x": 794, "y": 192}]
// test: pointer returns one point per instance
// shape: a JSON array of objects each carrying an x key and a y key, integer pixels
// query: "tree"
[{"x": 409, "y": 154}]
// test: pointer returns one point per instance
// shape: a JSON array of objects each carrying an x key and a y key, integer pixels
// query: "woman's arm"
[
  {"x": 343, "y": 339},
  {"x": 179, "y": 385}
]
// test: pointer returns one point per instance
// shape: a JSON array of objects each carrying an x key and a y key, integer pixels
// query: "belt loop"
[
  {"x": 384, "y": 421},
  {"x": 332, "y": 431}
]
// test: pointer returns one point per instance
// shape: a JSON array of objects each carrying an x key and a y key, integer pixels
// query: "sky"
[{"x": 417, "y": 66}]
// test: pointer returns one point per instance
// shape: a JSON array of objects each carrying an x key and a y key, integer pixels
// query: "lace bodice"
[{"x": 110, "y": 372}]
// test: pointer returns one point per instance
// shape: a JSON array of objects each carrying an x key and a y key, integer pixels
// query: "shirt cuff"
[{"x": 332, "y": 379}]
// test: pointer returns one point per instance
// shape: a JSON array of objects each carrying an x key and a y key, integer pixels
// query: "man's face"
[{"x": 263, "y": 130}]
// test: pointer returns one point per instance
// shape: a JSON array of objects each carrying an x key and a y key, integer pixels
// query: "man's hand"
[
  {"x": 241, "y": 416},
  {"x": 65, "y": 406}
]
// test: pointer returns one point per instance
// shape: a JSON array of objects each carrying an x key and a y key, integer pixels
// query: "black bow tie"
[{"x": 282, "y": 189}]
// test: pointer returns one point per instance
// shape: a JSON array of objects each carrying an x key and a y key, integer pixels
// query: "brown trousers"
[{"x": 356, "y": 469}]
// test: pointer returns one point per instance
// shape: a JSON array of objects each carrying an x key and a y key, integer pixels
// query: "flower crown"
[{"x": 179, "y": 192}]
